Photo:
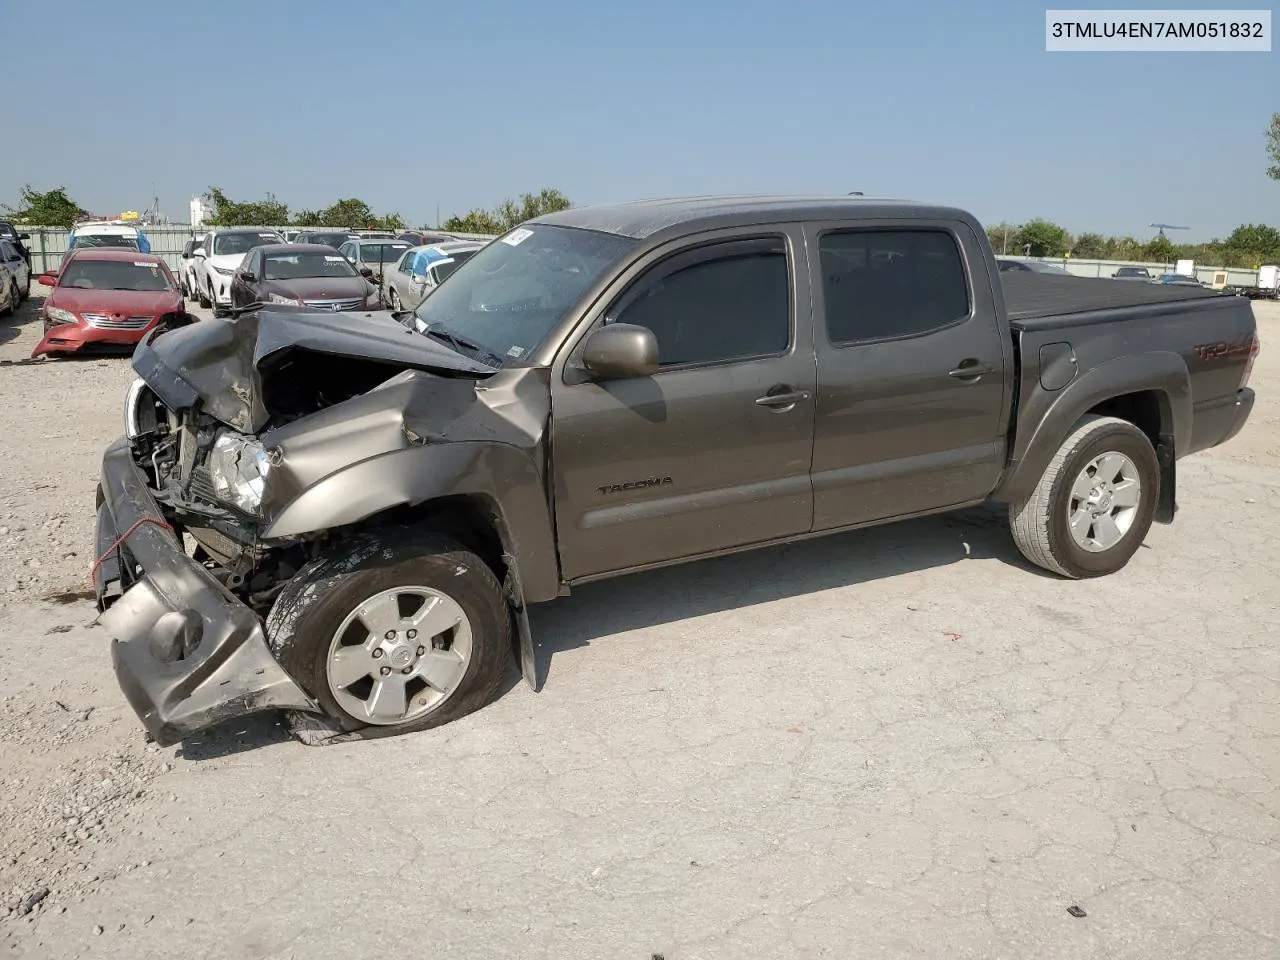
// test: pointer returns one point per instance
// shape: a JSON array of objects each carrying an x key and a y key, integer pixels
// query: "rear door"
[
  {"x": 713, "y": 451},
  {"x": 914, "y": 372}
]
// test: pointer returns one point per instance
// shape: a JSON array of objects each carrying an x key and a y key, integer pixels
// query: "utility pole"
[{"x": 1005, "y": 248}]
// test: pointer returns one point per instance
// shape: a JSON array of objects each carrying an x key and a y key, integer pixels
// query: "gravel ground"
[{"x": 899, "y": 742}]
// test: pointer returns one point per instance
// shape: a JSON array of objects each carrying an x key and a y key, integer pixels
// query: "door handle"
[
  {"x": 788, "y": 398},
  {"x": 971, "y": 370}
]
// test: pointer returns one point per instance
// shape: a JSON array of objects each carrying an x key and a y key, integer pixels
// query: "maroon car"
[
  {"x": 301, "y": 274},
  {"x": 107, "y": 298}
]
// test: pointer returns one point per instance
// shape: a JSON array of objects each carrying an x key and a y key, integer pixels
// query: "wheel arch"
[{"x": 1151, "y": 390}]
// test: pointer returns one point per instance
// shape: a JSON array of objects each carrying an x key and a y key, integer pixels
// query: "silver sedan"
[{"x": 422, "y": 269}]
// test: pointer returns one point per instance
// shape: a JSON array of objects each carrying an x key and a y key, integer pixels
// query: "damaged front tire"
[{"x": 391, "y": 636}]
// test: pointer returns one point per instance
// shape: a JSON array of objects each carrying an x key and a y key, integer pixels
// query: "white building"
[{"x": 201, "y": 209}]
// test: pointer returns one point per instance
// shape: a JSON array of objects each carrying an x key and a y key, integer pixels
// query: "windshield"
[
  {"x": 382, "y": 252},
  {"x": 297, "y": 266},
  {"x": 227, "y": 244},
  {"x": 508, "y": 297},
  {"x": 115, "y": 275},
  {"x": 104, "y": 240}
]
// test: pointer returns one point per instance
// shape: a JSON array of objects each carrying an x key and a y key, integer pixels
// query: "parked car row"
[
  {"x": 230, "y": 268},
  {"x": 1141, "y": 274}
]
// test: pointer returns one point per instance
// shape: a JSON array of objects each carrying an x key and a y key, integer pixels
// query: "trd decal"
[
  {"x": 634, "y": 485},
  {"x": 1220, "y": 351}
]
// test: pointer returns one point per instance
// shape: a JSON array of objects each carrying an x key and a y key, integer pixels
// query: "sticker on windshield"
[
  {"x": 335, "y": 259},
  {"x": 143, "y": 263},
  {"x": 267, "y": 236},
  {"x": 516, "y": 352},
  {"x": 517, "y": 237}
]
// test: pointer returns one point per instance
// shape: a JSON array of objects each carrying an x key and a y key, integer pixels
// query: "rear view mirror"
[{"x": 620, "y": 351}]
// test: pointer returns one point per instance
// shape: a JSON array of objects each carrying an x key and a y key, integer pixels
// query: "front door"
[
  {"x": 913, "y": 370},
  {"x": 713, "y": 451}
]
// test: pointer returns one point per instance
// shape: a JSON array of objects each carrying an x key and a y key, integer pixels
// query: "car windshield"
[
  {"x": 334, "y": 240},
  {"x": 115, "y": 275},
  {"x": 382, "y": 252},
  {"x": 228, "y": 244},
  {"x": 508, "y": 297},
  {"x": 117, "y": 240},
  {"x": 296, "y": 266}
]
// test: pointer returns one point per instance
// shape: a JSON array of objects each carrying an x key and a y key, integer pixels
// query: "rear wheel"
[
  {"x": 395, "y": 301},
  {"x": 1094, "y": 504},
  {"x": 393, "y": 636}
]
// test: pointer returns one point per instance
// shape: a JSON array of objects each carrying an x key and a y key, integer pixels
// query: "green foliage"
[
  {"x": 509, "y": 213},
  {"x": 1091, "y": 246},
  {"x": 307, "y": 218},
  {"x": 1044, "y": 239},
  {"x": 1273, "y": 147},
  {"x": 1255, "y": 243},
  {"x": 50, "y": 209},
  {"x": 228, "y": 213},
  {"x": 1004, "y": 237},
  {"x": 1160, "y": 250},
  {"x": 352, "y": 214}
]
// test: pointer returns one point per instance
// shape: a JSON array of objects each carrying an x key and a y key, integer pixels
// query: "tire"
[
  {"x": 396, "y": 307},
  {"x": 204, "y": 300},
  {"x": 314, "y": 614},
  {"x": 26, "y": 292},
  {"x": 1040, "y": 523},
  {"x": 11, "y": 301}
]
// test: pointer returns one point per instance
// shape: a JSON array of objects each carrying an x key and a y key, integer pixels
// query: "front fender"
[
  {"x": 1050, "y": 415},
  {"x": 503, "y": 475}
]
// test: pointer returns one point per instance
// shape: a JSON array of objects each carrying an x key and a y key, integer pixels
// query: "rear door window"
[{"x": 885, "y": 284}]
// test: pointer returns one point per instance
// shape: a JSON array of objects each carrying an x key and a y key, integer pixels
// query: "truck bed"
[{"x": 1032, "y": 296}]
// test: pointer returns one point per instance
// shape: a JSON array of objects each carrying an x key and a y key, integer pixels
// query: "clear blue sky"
[{"x": 410, "y": 104}]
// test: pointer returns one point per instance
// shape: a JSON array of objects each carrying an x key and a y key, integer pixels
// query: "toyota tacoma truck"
[{"x": 346, "y": 515}]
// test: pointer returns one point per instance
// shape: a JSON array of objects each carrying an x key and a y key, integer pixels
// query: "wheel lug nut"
[
  {"x": 407, "y": 670},
  {"x": 421, "y": 651},
  {"x": 385, "y": 670},
  {"x": 391, "y": 634},
  {"x": 412, "y": 634},
  {"x": 377, "y": 654}
]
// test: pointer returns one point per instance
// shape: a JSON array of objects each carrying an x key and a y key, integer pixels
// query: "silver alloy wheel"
[
  {"x": 1104, "y": 502},
  {"x": 399, "y": 655},
  {"x": 395, "y": 300}
]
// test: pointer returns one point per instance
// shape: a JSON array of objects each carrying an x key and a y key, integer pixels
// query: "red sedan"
[{"x": 107, "y": 298}]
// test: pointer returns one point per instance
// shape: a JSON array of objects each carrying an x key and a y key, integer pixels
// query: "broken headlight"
[{"x": 238, "y": 467}]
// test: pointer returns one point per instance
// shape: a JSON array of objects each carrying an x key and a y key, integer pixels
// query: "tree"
[
  {"x": 1091, "y": 246},
  {"x": 50, "y": 209},
  {"x": 1160, "y": 250},
  {"x": 1044, "y": 238},
  {"x": 1273, "y": 147},
  {"x": 228, "y": 213},
  {"x": 510, "y": 213},
  {"x": 1003, "y": 234},
  {"x": 307, "y": 218},
  {"x": 1256, "y": 243},
  {"x": 477, "y": 221}
]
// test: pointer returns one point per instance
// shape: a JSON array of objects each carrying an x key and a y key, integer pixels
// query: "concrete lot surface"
[{"x": 903, "y": 742}]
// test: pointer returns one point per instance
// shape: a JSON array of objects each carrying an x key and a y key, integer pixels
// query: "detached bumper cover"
[{"x": 187, "y": 654}]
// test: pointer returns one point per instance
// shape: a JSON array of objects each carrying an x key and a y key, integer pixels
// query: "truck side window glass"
[
  {"x": 892, "y": 283},
  {"x": 728, "y": 309}
]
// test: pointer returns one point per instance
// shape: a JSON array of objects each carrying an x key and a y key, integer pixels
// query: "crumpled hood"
[{"x": 222, "y": 363}]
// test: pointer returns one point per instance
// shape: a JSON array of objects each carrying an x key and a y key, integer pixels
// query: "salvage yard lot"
[{"x": 901, "y": 741}]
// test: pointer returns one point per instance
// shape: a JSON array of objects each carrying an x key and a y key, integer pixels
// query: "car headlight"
[
  {"x": 62, "y": 316},
  {"x": 238, "y": 467},
  {"x": 291, "y": 301},
  {"x": 225, "y": 271}
]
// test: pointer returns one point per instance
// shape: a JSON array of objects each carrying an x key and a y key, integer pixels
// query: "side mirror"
[
  {"x": 247, "y": 276},
  {"x": 46, "y": 279},
  {"x": 198, "y": 252},
  {"x": 620, "y": 351},
  {"x": 366, "y": 272},
  {"x": 24, "y": 236}
]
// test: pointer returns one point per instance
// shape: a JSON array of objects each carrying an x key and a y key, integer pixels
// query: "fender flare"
[{"x": 1161, "y": 372}]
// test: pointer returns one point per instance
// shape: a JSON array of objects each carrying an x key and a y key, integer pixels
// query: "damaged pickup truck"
[{"x": 345, "y": 516}]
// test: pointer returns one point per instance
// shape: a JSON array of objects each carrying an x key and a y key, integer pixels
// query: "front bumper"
[
  {"x": 187, "y": 654},
  {"x": 75, "y": 337}
]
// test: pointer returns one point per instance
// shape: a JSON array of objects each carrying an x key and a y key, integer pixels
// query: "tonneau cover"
[{"x": 1030, "y": 295}]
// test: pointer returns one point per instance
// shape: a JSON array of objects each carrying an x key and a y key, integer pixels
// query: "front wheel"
[
  {"x": 396, "y": 306},
  {"x": 1094, "y": 504},
  {"x": 205, "y": 301},
  {"x": 394, "y": 632}
]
